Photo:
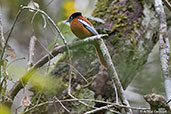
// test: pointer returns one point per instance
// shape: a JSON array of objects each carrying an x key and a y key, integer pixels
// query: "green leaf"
[{"x": 4, "y": 109}]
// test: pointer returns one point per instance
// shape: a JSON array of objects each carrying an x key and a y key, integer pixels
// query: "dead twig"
[
  {"x": 62, "y": 105},
  {"x": 168, "y": 5},
  {"x": 101, "y": 108},
  {"x": 31, "y": 51}
]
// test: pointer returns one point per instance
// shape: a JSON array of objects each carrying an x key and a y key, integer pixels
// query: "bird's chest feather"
[{"x": 79, "y": 30}]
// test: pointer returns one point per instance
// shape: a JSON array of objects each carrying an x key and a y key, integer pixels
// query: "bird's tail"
[{"x": 100, "y": 55}]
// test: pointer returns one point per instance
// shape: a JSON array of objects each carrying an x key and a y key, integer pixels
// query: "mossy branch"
[
  {"x": 60, "y": 49},
  {"x": 91, "y": 40}
]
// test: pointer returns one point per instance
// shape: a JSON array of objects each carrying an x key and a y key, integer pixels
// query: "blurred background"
[{"x": 147, "y": 81}]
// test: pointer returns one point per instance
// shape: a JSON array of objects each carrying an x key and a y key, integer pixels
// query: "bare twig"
[
  {"x": 168, "y": 101},
  {"x": 1, "y": 32},
  {"x": 164, "y": 47},
  {"x": 76, "y": 71},
  {"x": 2, "y": 44},
  {"x": 31, "y": 51},
  {"x": 168, "y": 5},
  {"x": 6, "y": 41},
  {"x": 46, "y": 50},
  {"x": 116, "y": 93},
  {"x": 114, "y": 75},
  {"x": 62, "y": 105},
  {"x": 90, "y": 100},
  {"x": 12, "y": 62},
  {"x": 101, "y": 108}
]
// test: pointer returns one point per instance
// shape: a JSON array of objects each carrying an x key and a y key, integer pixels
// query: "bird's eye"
[{"x": 71, "y": 18}]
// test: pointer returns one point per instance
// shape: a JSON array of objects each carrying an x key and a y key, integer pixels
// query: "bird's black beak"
[{"x": 67, "y": 21}]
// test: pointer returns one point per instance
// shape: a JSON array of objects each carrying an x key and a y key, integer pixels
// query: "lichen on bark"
[{"x": 132, "y": 28}]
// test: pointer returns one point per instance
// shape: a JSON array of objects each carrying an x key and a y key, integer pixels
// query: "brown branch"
[{"x": 164, "y": 48}]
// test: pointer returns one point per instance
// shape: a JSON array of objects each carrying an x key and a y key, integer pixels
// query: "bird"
[{"x": 82, "y": 28}]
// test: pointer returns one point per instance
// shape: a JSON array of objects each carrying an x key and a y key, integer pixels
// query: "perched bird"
[{"x": 82, "y": 28}]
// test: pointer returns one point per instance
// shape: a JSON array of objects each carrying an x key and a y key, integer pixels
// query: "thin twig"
[
  {"x": 101, "y": 108},
  {"x": 31, "y": 51},
  {"x": 12, "y": 62},
  {"x": 168, "y": 5},
  {"x": 2, "y": 45},
  {"x": 62, "y": 105},
  {"x": 168, "y": 101},
  {"x": 1, "y": 32},
  {"x": 116, "y": 93},
  {"x": 164, "y": 47},
  {"x": 89, "y": 100},
  {"x": 56, "y": 109},
  {"x": 6, "y": 42},
  {"x": 44, "y": 47},
  {"x": 75, "y": 71}
]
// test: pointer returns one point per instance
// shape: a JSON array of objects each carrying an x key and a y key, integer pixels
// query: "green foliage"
[
  {"x": 46, "y": 84},
  {"x": 4, "y": 109}
]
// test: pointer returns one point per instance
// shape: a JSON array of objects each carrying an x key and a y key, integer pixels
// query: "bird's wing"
[{"x": 88, "y": 26}]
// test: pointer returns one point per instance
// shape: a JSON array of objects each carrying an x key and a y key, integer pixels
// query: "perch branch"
[
  {"x": 164, "y": 48},
  {"x": 25, "y": 78}
]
